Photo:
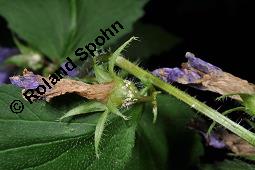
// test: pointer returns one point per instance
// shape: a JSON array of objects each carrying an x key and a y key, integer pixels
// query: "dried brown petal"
[
  {"x": 220, "y": 82},
  {"x": 238, "y": 145},
  {"x": 98, "y": 92},
  {"x": 205, "y": 76},
  {"x": 221, "y": 138},
  {"x": 226, "y": 83}
]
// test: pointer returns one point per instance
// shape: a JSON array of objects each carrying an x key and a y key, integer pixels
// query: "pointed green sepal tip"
[
  {"x": 99, "y": 130},
  {"x": 88, "y": 107}
]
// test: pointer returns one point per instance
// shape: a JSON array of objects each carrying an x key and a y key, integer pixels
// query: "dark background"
[{"x": 219, "y": 31}]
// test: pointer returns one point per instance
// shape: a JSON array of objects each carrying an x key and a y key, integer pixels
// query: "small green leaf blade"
[
  {"x": 92, "y": 106},
  {"x": 99, "y": 130}
]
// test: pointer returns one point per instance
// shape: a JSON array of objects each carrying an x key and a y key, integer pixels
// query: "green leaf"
[
  {"x": 22, "y": 48},
  {"x": 151, "y": 148},
  {"x": 229, "y": 165},
  {"x": 184, "y": 144},
  {"x": 33, "y": 139},
  {"x": 57, "y": 27},
  {"x": 178, "y": 113}
]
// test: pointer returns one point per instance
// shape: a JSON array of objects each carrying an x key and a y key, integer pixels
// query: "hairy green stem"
[{"x": 147, "y": 77}]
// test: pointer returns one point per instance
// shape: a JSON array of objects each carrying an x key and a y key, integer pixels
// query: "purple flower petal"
[
  {"x": 162, "y": 73},
  {"x": 174, "y": 74},
  {"x": 216, "y": 143},
  {"x": 201, "y": 65},
  {"x": 6, "y": 52},
  {"x": 4, "y": 71},
  {"x": 213, "y": 140},
  {"x": 73, "y": 73},
  {"x": 177, "y": 75},
  {"x": 28, "y": 81},
  {"x": 3, "y": 76},
  {"x": 190, "y": 73}
]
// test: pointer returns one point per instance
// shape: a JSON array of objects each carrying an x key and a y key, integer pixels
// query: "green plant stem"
[{"x": 147, "y": 77}]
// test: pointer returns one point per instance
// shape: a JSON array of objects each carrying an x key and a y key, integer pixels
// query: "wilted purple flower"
[
  {"x": 201, "y": 65},
  {"x": 4, "y": 71},
  {"x": 28, "y": 81},
  {"x": 191, "y": 72},
  {"x": 183, "y": 76},
  {"x": 214, "y": 140}
]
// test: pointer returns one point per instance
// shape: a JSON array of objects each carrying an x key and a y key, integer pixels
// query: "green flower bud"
[
  {"x": 249, "y": 103},
  {"x": 124, "y": 93}
]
